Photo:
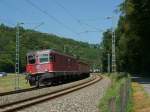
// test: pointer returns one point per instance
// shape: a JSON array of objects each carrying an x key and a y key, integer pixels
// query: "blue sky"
[{"x": 82, "y": 20}]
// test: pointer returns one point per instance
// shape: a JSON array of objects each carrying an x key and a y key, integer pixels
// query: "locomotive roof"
[
  {"x": 36, "y": 51},
  {"x": 49, "y": 51},
  {"x": 54, "y": 51}
]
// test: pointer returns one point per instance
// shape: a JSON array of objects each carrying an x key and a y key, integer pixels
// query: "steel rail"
[
  {"x": 39, "y": 99},
  {"x": 26, "y": 90}
]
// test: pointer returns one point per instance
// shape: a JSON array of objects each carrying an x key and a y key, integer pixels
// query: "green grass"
[
  {"x": 8, "y": 83},
  {"x": 130, "y": 103},
  {"x": 113, "y": 91}
]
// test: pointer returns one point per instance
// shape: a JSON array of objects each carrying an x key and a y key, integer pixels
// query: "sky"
[{"x": 81, "y": 20}]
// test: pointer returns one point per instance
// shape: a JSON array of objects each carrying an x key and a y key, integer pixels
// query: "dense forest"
[
  {"x": 31, "y": 40},
  {"x": 132, "y": 38}
]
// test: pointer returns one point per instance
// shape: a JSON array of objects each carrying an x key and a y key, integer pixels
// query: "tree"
[{"x": 31, "y": 40}]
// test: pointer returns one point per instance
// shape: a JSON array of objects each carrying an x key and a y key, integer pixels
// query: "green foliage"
[
  {"x": 8, "y": 83},
  {"x": 106, "y": 48},
  {"x": 32, "y": 40},
  {"x": 117, "y": 80},
  {"x": 132, "y": 37}
]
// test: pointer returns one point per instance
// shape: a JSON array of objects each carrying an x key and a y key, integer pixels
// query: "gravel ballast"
[
  {"x": 83, "y": 100},
  {"x": 30, "y": 94}
]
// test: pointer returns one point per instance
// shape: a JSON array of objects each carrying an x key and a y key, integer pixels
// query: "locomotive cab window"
[
  {"x": 52, "y": 58},
  {"x": 43, "y": 58},
  {"x": 31, "y": 59}
]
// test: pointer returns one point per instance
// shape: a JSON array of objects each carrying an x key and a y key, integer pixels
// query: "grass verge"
[
  {"x": 141, "y": 100},
  {"x": 117, "y": 80},
  {"x": 8, "y": 83}
]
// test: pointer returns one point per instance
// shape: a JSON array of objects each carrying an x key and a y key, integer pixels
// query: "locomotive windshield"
[
  {"x": 31, "y": 59},
  {"x": 43, "y": 58}
]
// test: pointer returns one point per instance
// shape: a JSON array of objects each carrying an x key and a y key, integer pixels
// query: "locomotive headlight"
[{"x": 46, "y": 70}]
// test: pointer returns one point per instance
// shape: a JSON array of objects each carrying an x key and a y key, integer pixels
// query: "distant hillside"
[{"x": 33, "y": 40}]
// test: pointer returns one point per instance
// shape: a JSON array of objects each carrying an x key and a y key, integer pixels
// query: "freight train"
[{"x": 45, "y": 67}]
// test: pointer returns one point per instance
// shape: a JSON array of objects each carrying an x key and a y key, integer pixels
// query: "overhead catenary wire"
[
  {"x": 8, "y": 5},
  {"x": 50, "y": 16},
  {"x": 93, "y": 19},
  {"x": 35, "y": 27},
  {"x": 67, "y": 11},
  {"x": 12, "y": 23},
  {"x": 74, "y": 17},
  {"x": 2, "y": 21},
  {"x": 89, "y": 31}
]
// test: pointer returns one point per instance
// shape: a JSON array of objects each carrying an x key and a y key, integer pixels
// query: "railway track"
[{"x": 17, "y": 105}]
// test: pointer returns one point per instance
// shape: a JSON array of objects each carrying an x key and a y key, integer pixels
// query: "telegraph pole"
[
  {"x": 17, "y": 70},
  {"x": 108, "y": 65},
  {"x": 113, "y": 50},
  {"x": 113, "y": 59},
  {"x": 17, "y": 57}
]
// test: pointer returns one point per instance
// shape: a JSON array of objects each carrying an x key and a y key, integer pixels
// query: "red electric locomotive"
[{"x": 49, "y": 66}]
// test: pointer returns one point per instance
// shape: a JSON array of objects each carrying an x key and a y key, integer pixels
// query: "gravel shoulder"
[
  {"x": 147, "y": 88},
  {"x": 83, "y": 100}
]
